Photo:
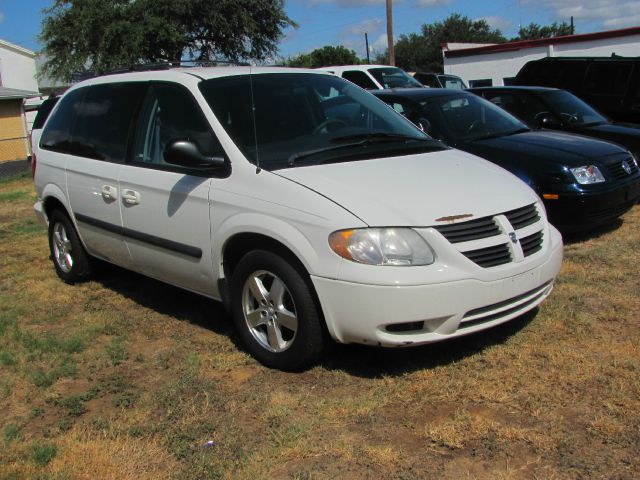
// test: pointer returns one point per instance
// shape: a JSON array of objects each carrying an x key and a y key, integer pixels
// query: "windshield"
[
  {"x": 468, "y": 117},
  {"x": 315, "y": 116},
  {"x": 393, "y": 77},
  {"x": 571, "y": 109},
  {"x": 450, "y": 81}
]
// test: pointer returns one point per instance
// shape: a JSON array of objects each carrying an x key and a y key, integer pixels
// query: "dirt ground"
[{"x": 127, "y": 378}]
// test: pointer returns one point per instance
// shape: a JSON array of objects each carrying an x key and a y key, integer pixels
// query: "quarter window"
[
  {"x": 608, "y": 78},
  {"x": 57, "y": 134}
]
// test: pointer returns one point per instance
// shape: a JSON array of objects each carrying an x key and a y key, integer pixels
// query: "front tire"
[
  {"x": 70, "y": 259},
  {"x": 275, "y": 312}
]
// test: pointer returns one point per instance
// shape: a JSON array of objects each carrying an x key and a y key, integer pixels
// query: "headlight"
[
  {"x": 382, "y": 246},
  {"x": 588, "y": 174}
]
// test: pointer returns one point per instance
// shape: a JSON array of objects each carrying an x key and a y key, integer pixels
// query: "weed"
[
  {"x": 37, "y": 412},
  {"x": 12, "y": 432},
  {"x": 43, "y": 453},
  {"x": 116, "y": 351},
  {"x": 14, "y": 195},
  {"x": 8, "y": 358}
]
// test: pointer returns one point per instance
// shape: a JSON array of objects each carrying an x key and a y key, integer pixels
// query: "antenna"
[{"x": 253, "y": 114}]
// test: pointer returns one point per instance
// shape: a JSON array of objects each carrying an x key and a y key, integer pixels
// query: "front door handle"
[
  {"x": 130, "y": 197},
  {"x": 108, "y": 192}
]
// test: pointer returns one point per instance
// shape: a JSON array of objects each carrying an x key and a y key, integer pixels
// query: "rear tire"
[
  {"x": 275, "y": 312},
  {"x": 70, "y": 259}
]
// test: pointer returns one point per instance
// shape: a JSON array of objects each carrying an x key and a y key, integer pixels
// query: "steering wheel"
[
  {"x": 475, "y": 124},
  {"x": 327, "y": 122},
  {"x": 569, "y": 117}
]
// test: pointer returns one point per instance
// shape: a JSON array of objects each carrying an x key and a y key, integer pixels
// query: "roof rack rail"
[{"x": 151, "y": 66}]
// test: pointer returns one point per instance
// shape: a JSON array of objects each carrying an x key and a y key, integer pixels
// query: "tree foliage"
[
  {"x": 102, "y": 35},
  {"x": 325, "y": 56},
  {"x": 534, "y": 31},
  {"x": 423, "y": 51}
]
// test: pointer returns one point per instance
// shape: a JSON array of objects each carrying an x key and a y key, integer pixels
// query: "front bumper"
[
  {"x": 396, "y": 316},
  {"x": 573, "y": 212}
]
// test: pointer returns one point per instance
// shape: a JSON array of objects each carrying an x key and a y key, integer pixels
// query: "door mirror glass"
[{"x": 186, "y": 154}]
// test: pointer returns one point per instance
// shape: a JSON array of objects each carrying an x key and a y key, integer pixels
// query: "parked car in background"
[
  {"x": 44, "y": 109},
  {"x": 374, "y": 77},
  {"x": 583, "y": 182},
  {"x": 610, "y": 84},
  {"x": 440, "y": 80},
  {"x": 299, "y": 200},
  {"x": 541, "y": 107}
]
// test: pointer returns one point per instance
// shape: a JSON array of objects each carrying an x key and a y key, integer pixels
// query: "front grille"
[
  {"x": 523, "y": 216},
  {"x": 471, "y": 230},
  {"x": 531, "y": 244},
  {"x": 619, "y": 172},
  {"x": 490, "y": 256}
]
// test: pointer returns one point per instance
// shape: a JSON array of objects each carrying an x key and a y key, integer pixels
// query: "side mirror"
[{"x": 186, "y": 154}]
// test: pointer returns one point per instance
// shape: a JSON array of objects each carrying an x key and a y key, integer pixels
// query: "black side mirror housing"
[{"x": 185, "y": 153}]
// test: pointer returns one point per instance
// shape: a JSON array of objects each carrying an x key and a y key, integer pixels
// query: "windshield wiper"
[
  {"x": 379, "y": 137},
  {"x": 500, "y": 134},
  {"x": 367, "y": 139}
]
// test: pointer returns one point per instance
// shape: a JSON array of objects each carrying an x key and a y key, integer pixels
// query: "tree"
[
  {"x": 533, "y": 31},
  {"x": 423, "y": 52},
  {"x": 325, "y": 56},
  {"x": 101, "y": 35}
]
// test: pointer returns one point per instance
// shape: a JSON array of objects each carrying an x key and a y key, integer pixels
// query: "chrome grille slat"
[{"x": 618, "y": 172}]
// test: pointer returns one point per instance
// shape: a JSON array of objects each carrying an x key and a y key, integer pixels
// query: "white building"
[
  {"x": 17, "y": 67},
  {"x": 498, "y": 64}
]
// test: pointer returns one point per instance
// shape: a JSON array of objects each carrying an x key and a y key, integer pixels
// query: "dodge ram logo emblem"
[
  {"x": 513, "y": 237},
  {"x": 626, "y": 167}
]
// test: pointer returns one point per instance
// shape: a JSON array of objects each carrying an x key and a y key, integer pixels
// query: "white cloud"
[
  {"x": 497, "y": 22},
  {"x": 433, "y": 3},
  {"x": 612, "y": 13},
  {"x": 365, "y": 26},
  {"x": 350, "y": 3}
]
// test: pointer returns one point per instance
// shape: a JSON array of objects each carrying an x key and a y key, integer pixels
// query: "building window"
[{"x": 485, "y": 82}]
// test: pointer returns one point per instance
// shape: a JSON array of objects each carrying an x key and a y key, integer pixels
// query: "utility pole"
[
  {"x": 366, "y": 42},
  {"x": 392, "y": 53}
]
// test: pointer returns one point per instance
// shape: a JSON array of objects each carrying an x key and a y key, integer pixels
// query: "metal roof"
[
  {"x": 12, "y": 93},
  {"x": 523, "y": 44}
]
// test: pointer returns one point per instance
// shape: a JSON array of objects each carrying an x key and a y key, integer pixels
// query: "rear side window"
[
  {"x": 57, "y": 135},
  {"x": 359, "y": 78},
  {"x": 104, "y": 120},
  {"x": 95, "y": 121}
]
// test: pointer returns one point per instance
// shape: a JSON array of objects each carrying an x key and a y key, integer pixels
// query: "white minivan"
[{"x": 305, "y": 204}]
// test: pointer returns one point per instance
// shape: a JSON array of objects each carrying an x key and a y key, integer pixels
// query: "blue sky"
[{"x": 344, "y": 22}]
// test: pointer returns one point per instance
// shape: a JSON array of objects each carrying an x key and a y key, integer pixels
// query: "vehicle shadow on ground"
[
  {"x": 357, "y": 360},
  {"x": 372, "y": 362},
  {"x": 168, "y": 300},
  {"x": 578, "y": 237}
]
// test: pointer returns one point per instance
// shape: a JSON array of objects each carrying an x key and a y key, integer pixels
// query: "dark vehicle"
[
  {"x": 583, "y": 182},
  {"x": 440, "y": 80},
  {"x": 610, "y": 84},
  {"x": 36, "y": 130},
  {"x": 541, "y": 107}
]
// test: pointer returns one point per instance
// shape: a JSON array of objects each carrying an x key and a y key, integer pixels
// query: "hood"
[
  {"x": 627, "y": 135},
  {"x": 566, "y": 149},
  {"x": 416, "y": 190}
]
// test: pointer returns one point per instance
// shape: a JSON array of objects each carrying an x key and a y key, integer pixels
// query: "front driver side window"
[{"x": 169, "y": 113}]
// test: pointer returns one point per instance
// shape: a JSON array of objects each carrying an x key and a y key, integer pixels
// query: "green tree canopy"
[
  {"x": 423, "y": 52},
  {"x": 533, "y": 31},
  {"x": 102, "y": 35},
  {"x": 325, "y": 56}
]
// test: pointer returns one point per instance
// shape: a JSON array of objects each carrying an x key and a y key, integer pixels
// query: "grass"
[{"x": 124, "y": 377}]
